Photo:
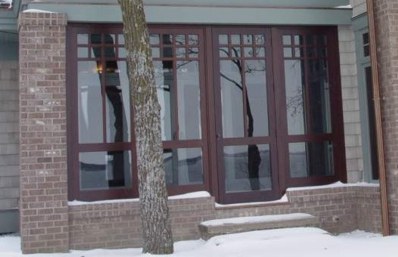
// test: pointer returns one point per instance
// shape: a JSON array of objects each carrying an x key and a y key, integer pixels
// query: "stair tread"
[
  {"x": 257, "y": 219},
  {"x": 215, "y": 227}
]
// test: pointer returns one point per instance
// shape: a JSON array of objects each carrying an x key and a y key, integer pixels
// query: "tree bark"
[{"x": 151, "y": 175}]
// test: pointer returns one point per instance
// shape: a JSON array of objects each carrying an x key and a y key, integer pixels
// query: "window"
[{"x": 245, "y": 111}]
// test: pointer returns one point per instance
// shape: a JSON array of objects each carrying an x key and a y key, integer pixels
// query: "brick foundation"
[
  {"x": 43, "y": 178},
  {"x": 118, "y": 224}
]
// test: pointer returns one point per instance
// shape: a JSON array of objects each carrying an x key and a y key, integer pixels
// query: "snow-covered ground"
[{"x": 297, "y": 242}]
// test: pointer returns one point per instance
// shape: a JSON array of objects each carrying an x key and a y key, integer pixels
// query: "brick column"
[
  {"x": 386, "y": 17},
  {"x": 43, "y": 203}
]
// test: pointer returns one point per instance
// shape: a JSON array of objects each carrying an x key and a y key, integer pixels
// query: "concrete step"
[{"x": 216, "y": 227}]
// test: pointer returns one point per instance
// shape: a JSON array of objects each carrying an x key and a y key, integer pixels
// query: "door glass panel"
[
  {"x": 183, "y": 166},
  {"x": 231, "y": 99},
  {"x": 311, "y": 159},
  {"x": 103, "y": 170},
  {"x": 247, "y": 168},
  {"x": 188, "y": 100},
  {"x": 294, "y": 86},
  {"x": 256, "y": 112},
  {"x": 319, "y": 97},
  {"x": 89, "y": 103},
  {"x": 117, "y": 102},
  {"x": 164, "y": 84}
]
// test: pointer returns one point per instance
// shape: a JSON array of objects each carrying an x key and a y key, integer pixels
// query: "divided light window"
[{"x": 245, "y": 111}]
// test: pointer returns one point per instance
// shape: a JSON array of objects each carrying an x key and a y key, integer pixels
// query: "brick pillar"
[
  {"x": 43, "y": 203},
  {"x": 386, "y": 17}
]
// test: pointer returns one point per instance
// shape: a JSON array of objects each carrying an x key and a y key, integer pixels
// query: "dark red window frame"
[{"x": 212, "y": 175}]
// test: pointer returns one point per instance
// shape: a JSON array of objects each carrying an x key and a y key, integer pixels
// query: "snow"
[
  {"x": 282, "y": 200},
  {"x": 199, "y": 194},
  {"x": 256, "y": 219},
  {"x": 36, "y": 11},
  {"x": 292, "y": 242},
  {"x": 334, "y": 185}
]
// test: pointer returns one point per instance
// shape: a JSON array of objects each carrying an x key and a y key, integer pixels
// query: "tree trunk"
[{"x": 151, "y": 175}]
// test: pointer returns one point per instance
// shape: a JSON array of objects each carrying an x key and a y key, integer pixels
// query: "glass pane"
[
  {"x": 319, "y": 97},
  {"x": 235, "y": 52},
  {"x": 110, "y": 52},
  {"x": 167, "y": 52},
  {"x": 231, "y": 99},
  {"x": 193, "y": 52},
  {"x": 183, "y": 166},
  {"x": 96, "y": 52},
  {"x": 82, "y": 39},
  {"x": 298, "y": 39},
  {"x": 260, "y": 52},
  {"x": 155, "y": 52},
  {"x": 122, "y": 52},
  {"x": 180, "y": 39},
  {"x": 298, "y": 52},
  {"x": 180, "y": 52},
  {"x": 193, "y": 40},
  {"x": 82, "y": 52},
  {"x": 223, "y": 52},
  {"x": 247, "y": 168},
  {"x": 188, "y": 87},
  {"x": 294, "y": 86},
  {"x": 259, "y": 39},
  {"x": 96, "y": 38},
  {"x": 164, "y": 84},
  {"x": 104, "y": 170},
  {"x": 287, "y": 52},
  {"x": 287, "y": 40},
  {"x": 223, "y": 39},
  {"x": 257, "y": 113},
  {"x": 365, "y": 38},
  {"x": 154, "y": 39},
  {"x": 121, "y": 39},
  {"x": 89, "y": 102},
  {"x": 117, "y": 102},
  {"x": 311, "y": 159},
  {"x": 235, "y": 39},
  {"x": 249, "y": 52},
  {"x": 248, "y": 39},
  {"x": 167, "y": 39}
]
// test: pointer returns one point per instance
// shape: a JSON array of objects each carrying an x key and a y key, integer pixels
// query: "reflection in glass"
[
  {"x": 103, "y": 170},
  {"x": 89, "y": 103},
  {"x": 294, "y": 86},
  {"x": 319, "y": 100},
  {"x": 82, "y": 39},
  {"x": 231, "y": 99},
  {"x": 117, "y": 102},
  {"x": 164, "y": 83},
  {"x": 188, "y": 87},
  {"x": 244, "y": 174},
  {"x": 223, "y": 39},
  {"x": 183, "y": 166},
  {"x": 310, "y": 159},
  {"x": 257, "y": 114}
]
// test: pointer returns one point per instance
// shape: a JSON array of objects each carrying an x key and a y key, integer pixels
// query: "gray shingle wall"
[
  {"x": 9, "y": 131},
  {"x": 352, "y": 122}
]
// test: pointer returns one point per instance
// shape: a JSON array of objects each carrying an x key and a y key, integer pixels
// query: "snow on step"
[{"x": 212, "y": 228}]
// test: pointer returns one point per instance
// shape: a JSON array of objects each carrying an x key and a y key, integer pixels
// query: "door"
[{"x": 245, "y": 119}]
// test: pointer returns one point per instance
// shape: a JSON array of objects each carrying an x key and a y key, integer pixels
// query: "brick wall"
[
  {"x": 117, "y": 224},
  {"x": 386, "y": 12},
  {"x": 9, "y": 148},
  {"x": 352, "y": 123},
  {"x": 43, "y": 207},
  {"x": 339, "y": 209}
]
